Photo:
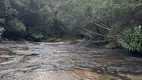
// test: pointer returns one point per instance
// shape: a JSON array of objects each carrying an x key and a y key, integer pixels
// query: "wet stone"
[
  {"x": 29, "y": 59},
  {"x": 5, "y": 56},
  {"x": 4, "y": 59},
  {"x": 44, "y": 74},
  {"x": 111, "y": 60},
  {"x": 62, "y": 61}
]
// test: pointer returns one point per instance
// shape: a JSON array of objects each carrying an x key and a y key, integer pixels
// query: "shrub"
[
  {"x": 131, "y": 39},
  {"x": 34, "y": 37},
  {"x": 16, "y": 26},
  {"x": 14, "y": 30}
]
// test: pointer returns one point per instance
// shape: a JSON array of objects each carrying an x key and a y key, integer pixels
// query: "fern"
[{"x": 131, "y": 39}]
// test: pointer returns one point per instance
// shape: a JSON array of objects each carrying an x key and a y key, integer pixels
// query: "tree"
[
  {"x": 93, "y": 19},
  {"x": 15, "y": 29}
]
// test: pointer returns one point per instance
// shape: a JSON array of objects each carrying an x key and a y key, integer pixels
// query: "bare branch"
[
  {"x": 93, "y": 33},
  {"x": 99, "y": 25}
]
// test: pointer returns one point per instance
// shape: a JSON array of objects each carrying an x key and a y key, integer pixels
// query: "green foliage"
[
  {"x": 15, "y": 30},
  {"x": 115, "y": 30},
  {"x": 92, "y": 19},
  {"x": 97, "y": 17},
  {"x": 16, "y": 26},
  {"x": 131, "y": 39},
  {"x": 35, "y": 37}
]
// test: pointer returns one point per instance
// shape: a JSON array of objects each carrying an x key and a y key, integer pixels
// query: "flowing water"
[{"x": 62, "y": 60}]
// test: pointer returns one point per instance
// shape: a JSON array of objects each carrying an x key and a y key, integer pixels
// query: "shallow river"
[{"x": 65, "y": 61}]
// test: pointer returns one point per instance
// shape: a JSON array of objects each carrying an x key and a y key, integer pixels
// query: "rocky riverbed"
[{"x": 63, "y": 60}]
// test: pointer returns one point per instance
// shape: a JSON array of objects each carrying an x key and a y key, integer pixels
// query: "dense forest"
[{"x": 117, "y": 22}]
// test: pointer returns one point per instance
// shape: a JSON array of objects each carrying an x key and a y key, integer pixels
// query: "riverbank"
[{"x": 65, "y": 60}]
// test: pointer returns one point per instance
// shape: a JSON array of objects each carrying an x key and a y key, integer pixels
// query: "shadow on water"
[{"x": 136, "y": 54}]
